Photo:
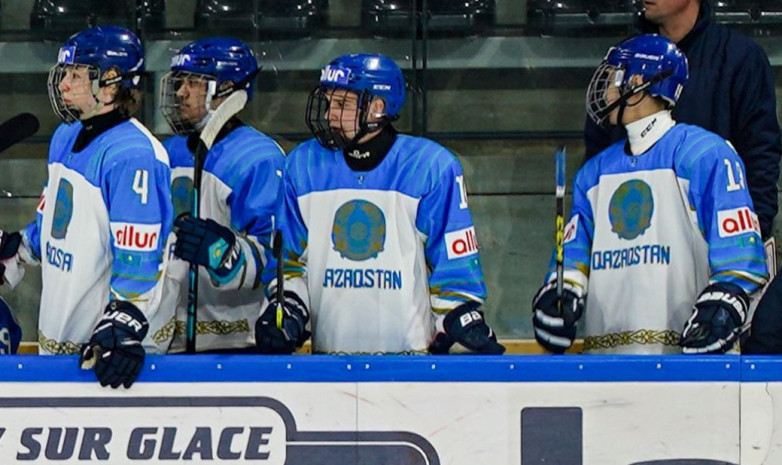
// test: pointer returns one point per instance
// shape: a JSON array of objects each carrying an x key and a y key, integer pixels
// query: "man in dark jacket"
[{"x": 730, "y": 92}]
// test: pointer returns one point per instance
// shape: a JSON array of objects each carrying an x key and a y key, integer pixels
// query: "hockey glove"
[
  {"x": 465, "y": 325},
  {"x": 114, "y": 351},
  {"x": 555, "y": 330},
  {"x": 209, "y": 244},
  {"x": 716, "y": 321},
  {"x": 9, "y": 245},
  {"x": 285, "y": 340}
]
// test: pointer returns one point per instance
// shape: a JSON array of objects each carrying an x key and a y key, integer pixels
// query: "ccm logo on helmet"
[
  {"x": 461, "y": 243},
  {"x": 737, "y": 221},
  {"x": 136, "y": 237}
]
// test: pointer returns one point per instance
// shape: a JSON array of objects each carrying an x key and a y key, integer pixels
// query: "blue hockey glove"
[
  {"x": 114, "y": 351},
  {"x": 285, "y": 340},
  {"x": 209, "y": 244},
  {"x": 465, "y": 325},
  {"x": 716, "y": 321},
  {"x": 9, "y": 245},
  {"x": 555, "y": 330}
]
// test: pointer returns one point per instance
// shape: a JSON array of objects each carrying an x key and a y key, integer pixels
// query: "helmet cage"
[
  {"x": 607, "y": 75},
  {"x": 57, "y": 73},
  {"x": 171, "y": 102},
  {"x": 318, "y": 107}
]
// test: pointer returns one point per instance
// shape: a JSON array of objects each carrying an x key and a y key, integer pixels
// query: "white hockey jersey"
[
  {"x": 648, "y": 232},
  {"x": 240, "y": 186},
  {"x": 99, "y": 234},
  {"x": 375, "y": 253}
]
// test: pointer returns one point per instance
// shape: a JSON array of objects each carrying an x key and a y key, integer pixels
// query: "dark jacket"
[
  {"x": 765, "y": 334},
  {"x": 730, "y": 92}
]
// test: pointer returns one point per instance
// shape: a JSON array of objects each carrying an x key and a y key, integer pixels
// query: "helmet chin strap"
[
  {"x": 96, "y": 86},
  {"x": 211, "y": 90},
  {"x": 621, "y": 102}
]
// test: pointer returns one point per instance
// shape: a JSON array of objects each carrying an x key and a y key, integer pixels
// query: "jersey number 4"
[{"x": 141, "y": 185}]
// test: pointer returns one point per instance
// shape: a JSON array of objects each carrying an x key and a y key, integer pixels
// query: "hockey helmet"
[
  {"x": 215, "y": 61},
  {"x": 100, "y": 49},
  {"x": 660, "y": 63},
  {"x": 370, "y": 76}
]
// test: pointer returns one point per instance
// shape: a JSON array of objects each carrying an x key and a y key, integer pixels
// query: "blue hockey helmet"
[
  {"x": 375, "y": 74},
  {"x": 100, "y": 49},
  {"x": 660, "y": 63},
  {"x": 223, "y": 59},
  {"x": 10, "y": 331},
  {"x": 212, "y": 62},
  {"x": 370, "y": 76}
]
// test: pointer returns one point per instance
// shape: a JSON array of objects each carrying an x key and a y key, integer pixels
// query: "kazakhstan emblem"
[
  {"x": 359, "y": 230},
  {"x": 631, "y": 209},
  {"x": 63, "y": 210},
  {"x": 182, "y": 195}
]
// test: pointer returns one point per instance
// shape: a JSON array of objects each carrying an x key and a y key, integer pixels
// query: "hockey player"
[
  {"x": 662, "y": 244},
  {"x": 103, "y": 216},
  {"x": 239, "y": 191},
  {"x": 379, "y": 244}
]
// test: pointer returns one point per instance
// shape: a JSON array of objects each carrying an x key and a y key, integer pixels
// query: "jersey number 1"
[
  {"x": 462, "y": 192},
  {"x": 733, "y": 184}
]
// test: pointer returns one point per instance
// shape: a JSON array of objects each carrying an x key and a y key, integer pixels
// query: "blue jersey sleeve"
[
  {"x": 136, "y": 190},
  {"x": 253, "y": 202},
  {"x": 290, "y": 222},
  {"x": 719, "y": 195},
  {"x": 451, "y": 245},
  {"x": 32, "y": 232}
]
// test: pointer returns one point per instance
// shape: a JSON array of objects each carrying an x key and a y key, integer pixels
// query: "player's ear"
[
  {"x": 107, "y": 94},
  {"x": 377, "y": 108}
]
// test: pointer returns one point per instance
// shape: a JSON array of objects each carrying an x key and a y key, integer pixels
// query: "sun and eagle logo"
[
  {"x": 630, "y": 209},
  {"x": 359, "y": 230}
]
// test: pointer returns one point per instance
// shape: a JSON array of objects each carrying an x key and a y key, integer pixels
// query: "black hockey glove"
[
  {"x": 716, "y": 321},
  {"x": 555, "y": 330},
  {"x": 285, "y": 340},
  {"x": 209, "y": 244},
  {"x": 9, "y": 245},
  {"x": 465, "y": 325},
  {"x": 114, "y": 351}
]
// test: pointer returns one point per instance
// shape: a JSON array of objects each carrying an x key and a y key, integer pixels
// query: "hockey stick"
[
  {"x": 277, "y": 251},
  {"x": 232, "y": 105},
  {"x": 560, "y": 222},
  {"x": 17, "y": 129}
]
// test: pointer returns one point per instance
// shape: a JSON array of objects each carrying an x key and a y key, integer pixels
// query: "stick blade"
[{"x": 232, "y": 105}]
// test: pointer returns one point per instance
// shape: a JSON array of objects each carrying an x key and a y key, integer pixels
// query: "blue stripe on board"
[{"x": 323, "y": 368}]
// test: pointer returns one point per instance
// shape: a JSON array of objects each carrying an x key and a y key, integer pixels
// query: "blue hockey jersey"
[
  {"x": 376, "y": 252},
  {"x": 648, "y": 232},
  {"x": 240, "y": 186},
  {"x": 99, "y": 233}
]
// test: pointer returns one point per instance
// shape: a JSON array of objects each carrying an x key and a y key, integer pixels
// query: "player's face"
[
  {"x": 76, "y": 89},
  {"x": 192, "y": 98},
  {"x": 343, "y": 112},
  {"x": 659, "y": 11}
]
